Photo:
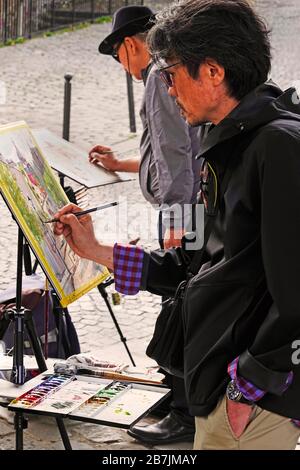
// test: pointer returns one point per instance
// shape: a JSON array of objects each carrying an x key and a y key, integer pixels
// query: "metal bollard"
[
  {"x": 132, "y": 122},
  {"x": 5, "y": 20},
  {"x": 30, "y": 19},
  {"x": 67, "y": 116},
  {"x": 92, "y": 11},
  {"x": 67, "y": 106}
]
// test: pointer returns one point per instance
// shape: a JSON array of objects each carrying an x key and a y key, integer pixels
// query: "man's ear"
[
  {"x": 215, "y": 72},
  {"x": 131, "y": 44}
]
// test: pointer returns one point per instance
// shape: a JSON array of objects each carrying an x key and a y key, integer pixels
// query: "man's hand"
[
  {"x": 238, "y": 416},
  {"x": 173, "y": 238},
  {"x": 104, "y": 155},
  {"x": 78, "y": 232}
]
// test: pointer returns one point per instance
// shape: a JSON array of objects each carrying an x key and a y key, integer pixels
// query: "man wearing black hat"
[{"x": 169, "y": 173}]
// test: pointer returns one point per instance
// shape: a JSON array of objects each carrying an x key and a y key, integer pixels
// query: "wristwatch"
[{"x": 233, "y": 393}]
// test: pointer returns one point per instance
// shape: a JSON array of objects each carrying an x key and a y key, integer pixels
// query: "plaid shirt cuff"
[
  {"x": 250, "y": 391},
  {"x": 128, "y": 268}
]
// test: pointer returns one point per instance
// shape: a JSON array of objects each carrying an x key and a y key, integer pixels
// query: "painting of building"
[{"x": 33, "y": 194}]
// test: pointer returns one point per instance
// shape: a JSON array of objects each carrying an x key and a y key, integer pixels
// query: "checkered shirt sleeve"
[
  {"x": 128, "y": 268},
  {"x": 250, "y": 391}
]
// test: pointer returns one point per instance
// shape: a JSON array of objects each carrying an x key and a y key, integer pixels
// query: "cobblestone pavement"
[{"x": 33, "y": 74}]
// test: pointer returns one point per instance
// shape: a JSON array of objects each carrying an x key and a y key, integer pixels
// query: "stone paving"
[{"x": 33, "y": 74}]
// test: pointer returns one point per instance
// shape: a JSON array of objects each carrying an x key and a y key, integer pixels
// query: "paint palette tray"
[
  {"x": 120, "y": 404},
  {"x": 57, "y": 394},
  {"x": 93, "y": 400}
]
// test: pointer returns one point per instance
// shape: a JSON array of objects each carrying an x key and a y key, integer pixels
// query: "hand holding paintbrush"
[
  {"x": 87, "y": 211},
  {"x": 105, "y": 156}
]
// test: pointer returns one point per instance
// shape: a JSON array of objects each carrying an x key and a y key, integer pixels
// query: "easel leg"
[
  {"x": 101, "y": 289},
  {"x": 20, "y": 425},
  {"x": 63, "y": 434},
  {"x": 35, "y": 344}
]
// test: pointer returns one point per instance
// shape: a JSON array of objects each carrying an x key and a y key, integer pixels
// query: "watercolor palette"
[
  {"x": 59, "y": 394},
  {"x": 120, "y": 404},
  {"x": 92, "y": 400}
]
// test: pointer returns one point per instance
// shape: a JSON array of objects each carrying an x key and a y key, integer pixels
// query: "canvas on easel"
[{"x": 33, "y": 195}]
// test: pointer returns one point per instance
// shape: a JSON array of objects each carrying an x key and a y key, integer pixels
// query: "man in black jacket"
[
  {"x": 241, "y": 314},
  {"x": 168, "y": 175}
]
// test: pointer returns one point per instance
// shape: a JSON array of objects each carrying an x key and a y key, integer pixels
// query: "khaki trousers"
[{"x": 264, "y": 431}]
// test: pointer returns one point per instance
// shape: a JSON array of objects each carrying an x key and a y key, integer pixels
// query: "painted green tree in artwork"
[
  {"x": 54, "y": 190},
  {"x": 9, "y": 183}
]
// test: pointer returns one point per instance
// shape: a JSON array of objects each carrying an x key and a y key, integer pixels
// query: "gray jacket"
[{"x": 169, "y": 173}]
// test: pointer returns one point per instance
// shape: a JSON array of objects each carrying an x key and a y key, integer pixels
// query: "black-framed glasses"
[
  {"x": 166, "y": 76},
  {"x": 115, "y": 53}
]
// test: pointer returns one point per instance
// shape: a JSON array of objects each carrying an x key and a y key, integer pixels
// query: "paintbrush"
[{"x": 88, "y": 211}]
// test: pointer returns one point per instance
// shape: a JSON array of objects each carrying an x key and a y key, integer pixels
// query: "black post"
[
  {"x": 30, "y": 19},
  {"x": 67, "y": 117},
  {"x": 132, "y": 122},
  {"x": 5, "y": 20},
  {"x": 67, "y": 106},
  {"x": 52, "y": 14},
  {"x": 109, "y": 7},
  {"x": 16, "y": 25},
  {"x": 73, "y": 12},
  {"x": 92, "y": 10}
]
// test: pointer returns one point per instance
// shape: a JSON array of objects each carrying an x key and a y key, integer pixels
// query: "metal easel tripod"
[
  {"x": 63, "y": 344},
  {"x": 22, "y": 318},
  {"x": 102, "y": 290}
]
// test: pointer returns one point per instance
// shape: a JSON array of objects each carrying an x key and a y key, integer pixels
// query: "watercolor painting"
[{"x": 33, "y": 194}]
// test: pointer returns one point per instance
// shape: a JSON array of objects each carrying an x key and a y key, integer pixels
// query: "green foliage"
[
  {"x": 9, "y": 42},
  {"x": 103, "y": 19},
  {"x": 13, "y": 42},
  {"x": 31, "y": 219},
  {"x": 21, "y": 40},
  {"x": 82, "y": 25},
  {"x": 53, "y": 188}
]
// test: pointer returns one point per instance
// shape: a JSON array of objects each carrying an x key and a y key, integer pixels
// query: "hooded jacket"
[{"x": 245, "y": 300}]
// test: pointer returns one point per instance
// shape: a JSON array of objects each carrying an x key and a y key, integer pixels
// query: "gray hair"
[{"x": 228, "y": 31}]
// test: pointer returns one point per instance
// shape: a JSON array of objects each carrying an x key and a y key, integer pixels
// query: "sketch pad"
[
  {"x": 33, "y": 194},
  {"x": 73, "y": 162}
]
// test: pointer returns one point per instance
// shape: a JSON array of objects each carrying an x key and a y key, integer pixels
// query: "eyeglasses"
[
  {"x": 115, "y": 53},
  {"x": 166, "y": 76}
]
